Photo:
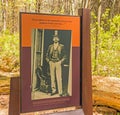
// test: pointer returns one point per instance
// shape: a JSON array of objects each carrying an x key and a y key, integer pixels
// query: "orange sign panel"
[{"x": 58, "y": 22}]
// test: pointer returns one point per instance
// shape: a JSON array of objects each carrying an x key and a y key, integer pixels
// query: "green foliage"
[
  {"x": 108, "y": 47},
  {"x": 9, "y": 51}
]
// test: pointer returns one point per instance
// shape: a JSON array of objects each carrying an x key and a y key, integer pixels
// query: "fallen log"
[
  {"x": 106, "y": 92},
  {"x": 104, "y": 110},
  {"x": 9, "y": 74},
  {"x": 106, "y": 99}
]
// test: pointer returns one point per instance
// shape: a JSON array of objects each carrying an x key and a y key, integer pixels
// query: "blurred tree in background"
[{"x": 105, "y": 30}]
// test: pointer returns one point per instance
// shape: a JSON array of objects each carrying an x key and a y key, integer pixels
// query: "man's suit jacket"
[{"x": 61, "y": 50}]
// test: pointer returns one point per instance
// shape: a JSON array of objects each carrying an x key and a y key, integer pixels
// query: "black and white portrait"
[{"x": 51, "y": 63}]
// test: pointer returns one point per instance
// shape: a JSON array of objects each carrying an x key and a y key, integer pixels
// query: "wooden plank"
[
  {"x": 60, "y": 111},
  {"x": 86, "y": 62},
  {"x": 75, "y": 112},
  {"x": 14, "y": 103}
]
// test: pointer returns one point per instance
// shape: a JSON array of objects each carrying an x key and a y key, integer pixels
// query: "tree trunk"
[
  {"x": 97, "y": 37},
  {"x": 38, "y": 6},
  {"x": 87, "y": 4},
  {"x": 3, "y": 5},
  {"x": 72, "y": 7},
  {"x": 113, "y": 8},
  {"x": 13, "y": 16},
  {"x": 67, "y": 7}
]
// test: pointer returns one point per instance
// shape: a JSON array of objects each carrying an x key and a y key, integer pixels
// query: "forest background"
[{"x": 104, "y": 30}]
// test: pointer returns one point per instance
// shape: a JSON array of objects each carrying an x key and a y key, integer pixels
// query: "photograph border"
[{"x": 44, "y": 85}]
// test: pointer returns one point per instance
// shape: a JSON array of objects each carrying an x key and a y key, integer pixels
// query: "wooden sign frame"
[
  {"x": 85, "y": 72},
  {"x": 49, "y": 80}
]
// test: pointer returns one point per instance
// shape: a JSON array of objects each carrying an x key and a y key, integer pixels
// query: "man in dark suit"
[{"x": 56, "y": 56}]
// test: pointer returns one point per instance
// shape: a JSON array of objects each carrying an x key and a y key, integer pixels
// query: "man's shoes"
[
  {"x": 61, "y": 95},
  {"x": 66, "y": 94},
  {"x": 53, "y": 93}
]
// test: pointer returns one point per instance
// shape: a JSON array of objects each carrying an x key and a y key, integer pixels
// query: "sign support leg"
[{"x": 14, "y": 99}]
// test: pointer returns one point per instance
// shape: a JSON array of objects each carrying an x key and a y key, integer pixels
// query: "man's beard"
[{"x": 55, "y": 42}]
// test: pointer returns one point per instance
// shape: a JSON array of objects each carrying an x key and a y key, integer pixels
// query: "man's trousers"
[{"x": 56, "y": 71}]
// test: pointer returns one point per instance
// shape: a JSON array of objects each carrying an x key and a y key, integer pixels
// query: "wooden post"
[
  {"x": 86, "y": 100},
  {"x": 14, "y": 103}
]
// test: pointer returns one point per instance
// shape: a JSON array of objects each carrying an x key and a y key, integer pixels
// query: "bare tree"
[
  {"x": 97, "y": 35},
  {"x": 38, "y": 5},
  {"x": 85, "y": 3},
  {"x": 3, "y": 14},
  {"x": 13, "y": 16}
]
